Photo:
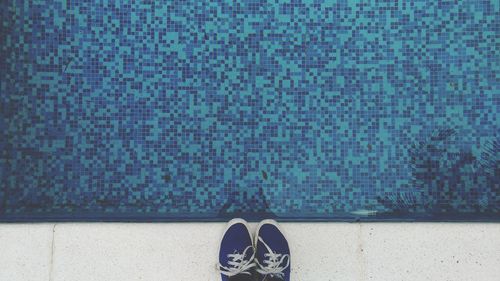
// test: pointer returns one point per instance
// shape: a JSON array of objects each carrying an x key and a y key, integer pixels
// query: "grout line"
[
  {"x": 51, "y": 268},
  {"x": 360, "y": 251}
]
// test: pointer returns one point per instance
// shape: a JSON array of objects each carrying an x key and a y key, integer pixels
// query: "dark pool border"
[{"x": 92, "y": 218}]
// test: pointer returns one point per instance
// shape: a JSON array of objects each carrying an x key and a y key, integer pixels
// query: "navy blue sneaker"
[
  {"x": 272, "y": 254},
  {"x": 236, "y": 253}
]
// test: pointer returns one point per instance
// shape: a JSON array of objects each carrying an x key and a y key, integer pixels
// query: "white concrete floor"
[{"x": 188, "y": 251}]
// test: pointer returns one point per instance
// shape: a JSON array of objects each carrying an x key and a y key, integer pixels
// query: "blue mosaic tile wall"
[{"x": 205, "y": 110}]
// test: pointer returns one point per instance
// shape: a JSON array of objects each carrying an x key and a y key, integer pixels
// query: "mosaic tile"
[{"x": 204, "y": 110}]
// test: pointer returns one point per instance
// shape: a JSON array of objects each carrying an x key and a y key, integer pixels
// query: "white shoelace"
[
  {"x": 272, "y": 263},
  {"x": 237, "y": 264}
]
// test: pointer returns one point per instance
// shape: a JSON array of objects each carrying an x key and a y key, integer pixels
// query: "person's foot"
[
  {"x": 272, "y": 254},
  {"x": 236, "y": 253}
]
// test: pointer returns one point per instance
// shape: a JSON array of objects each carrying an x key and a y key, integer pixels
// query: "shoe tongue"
[
  {"x": 274, "y": 279},
  {"x": 241, "y": 277},
  {"x": 269, "y": 278}
]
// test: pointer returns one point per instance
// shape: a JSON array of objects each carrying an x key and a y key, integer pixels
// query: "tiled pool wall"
[{"x": 203, "y": 110}]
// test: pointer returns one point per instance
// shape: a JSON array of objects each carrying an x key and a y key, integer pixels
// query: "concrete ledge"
[{"x": 188, "y": 251}]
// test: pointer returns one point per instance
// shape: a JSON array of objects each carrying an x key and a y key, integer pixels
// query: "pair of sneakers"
[{"x": 265, "y": 258}]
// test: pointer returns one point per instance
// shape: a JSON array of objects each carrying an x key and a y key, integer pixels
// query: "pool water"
[{"x": 205, "y": 110}]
